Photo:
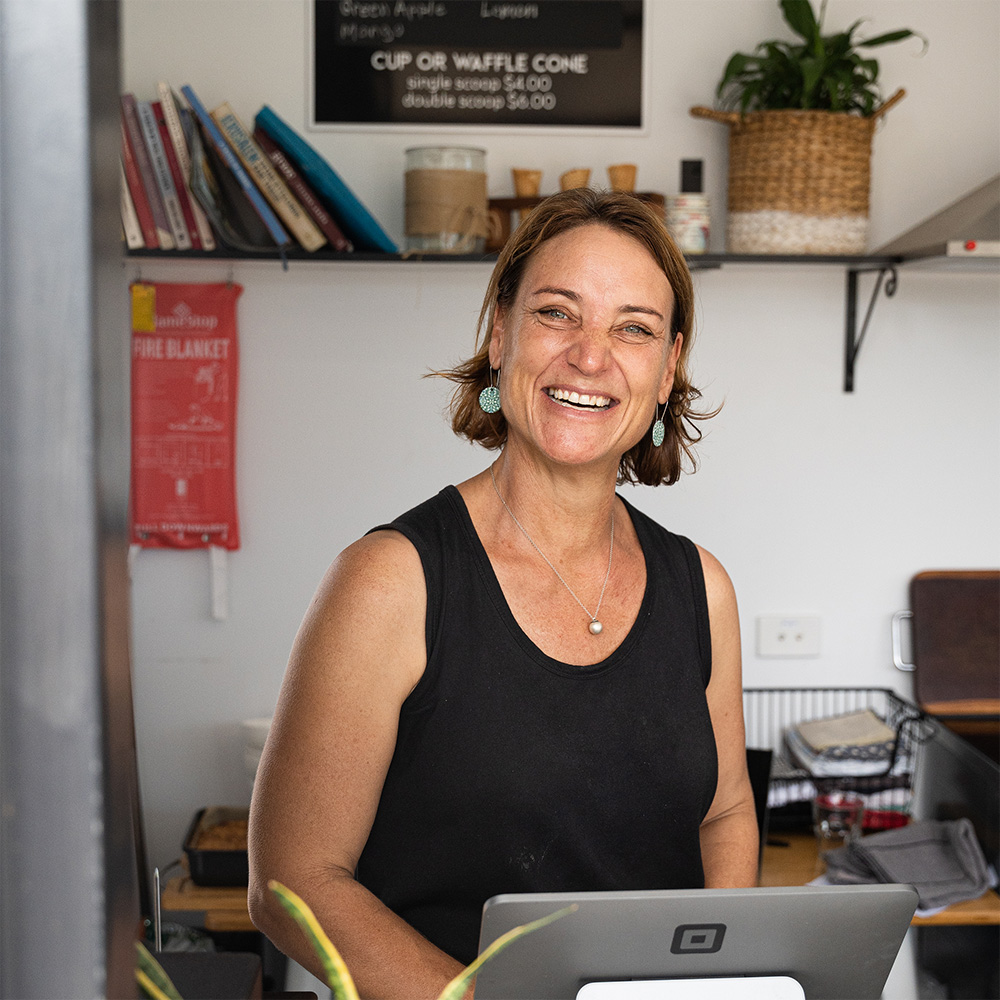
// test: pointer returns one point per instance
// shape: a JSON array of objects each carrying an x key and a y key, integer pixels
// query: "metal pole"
[{"x": 61, "y": 499}]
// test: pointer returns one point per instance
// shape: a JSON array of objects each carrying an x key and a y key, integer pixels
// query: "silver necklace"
[{"x": 595, "y": 626}]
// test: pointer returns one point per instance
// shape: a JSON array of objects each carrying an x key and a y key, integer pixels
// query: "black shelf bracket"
[{"x": 854, "y": 337}]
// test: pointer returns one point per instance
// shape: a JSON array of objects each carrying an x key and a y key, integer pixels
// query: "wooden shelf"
[{"x": 224, "y": 907}]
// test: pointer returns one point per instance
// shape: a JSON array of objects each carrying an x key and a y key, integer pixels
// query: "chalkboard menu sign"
[{"x": 478, "y": 62}]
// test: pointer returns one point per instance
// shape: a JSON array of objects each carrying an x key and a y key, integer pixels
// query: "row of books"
[{"x": 194, "y": 179}]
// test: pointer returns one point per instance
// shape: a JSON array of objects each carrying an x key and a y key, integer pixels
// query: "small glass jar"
[
  {"x": 688, "y": 222},
  {"x": 446, "y": 203}
]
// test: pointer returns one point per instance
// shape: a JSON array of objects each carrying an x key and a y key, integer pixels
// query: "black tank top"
[{"x": 514, "y": 772}]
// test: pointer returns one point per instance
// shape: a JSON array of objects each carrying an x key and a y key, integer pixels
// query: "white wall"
[{"x": 815, "y": 500}]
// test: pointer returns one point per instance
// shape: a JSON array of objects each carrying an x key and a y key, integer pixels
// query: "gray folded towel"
[{"x": 941, "y": 859}]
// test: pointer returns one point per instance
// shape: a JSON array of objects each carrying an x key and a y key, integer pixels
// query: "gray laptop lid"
[{"x": 836, "y": 941}]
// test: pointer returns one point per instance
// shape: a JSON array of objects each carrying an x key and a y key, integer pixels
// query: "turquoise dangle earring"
[
  {"x": 489, "y": 398},
  {"x": 659, "y": 431}
]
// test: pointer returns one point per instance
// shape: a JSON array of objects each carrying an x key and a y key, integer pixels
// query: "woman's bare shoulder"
[
  {"x": 717, "y": 581},
  {"x": 385, "y": 557},
  {"x": 369, "y": 608},
  {"x": 380, "y": 568}
]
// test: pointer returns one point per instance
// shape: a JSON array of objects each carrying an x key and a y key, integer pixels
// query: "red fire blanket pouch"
[{"x": 185, "y": 368}]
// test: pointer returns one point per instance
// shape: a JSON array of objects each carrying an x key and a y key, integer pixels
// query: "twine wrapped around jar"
[
  {"x": 446, "y": 204},
  {"x": 798, "y": 180}
]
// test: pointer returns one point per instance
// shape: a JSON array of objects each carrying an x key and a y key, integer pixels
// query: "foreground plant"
[
  {"x": 822, "y": 72},
  {"x": 149, "y": 974},
  {"x": 339, "y": 978}
]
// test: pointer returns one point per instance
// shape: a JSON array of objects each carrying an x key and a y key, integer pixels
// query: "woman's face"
[{"x": 585, "y": 350}]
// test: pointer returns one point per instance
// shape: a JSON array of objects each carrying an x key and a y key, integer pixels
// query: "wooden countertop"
[
  {"x": 799, "y": 863},
  {"x": 225, "y": 907},
  {"x": 789, "y": 859}
]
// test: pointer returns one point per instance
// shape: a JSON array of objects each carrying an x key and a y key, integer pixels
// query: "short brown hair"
[{"x": 625, "y": 213}]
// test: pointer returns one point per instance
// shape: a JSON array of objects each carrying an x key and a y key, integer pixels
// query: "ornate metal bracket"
[{"x": 853, "y": 336}]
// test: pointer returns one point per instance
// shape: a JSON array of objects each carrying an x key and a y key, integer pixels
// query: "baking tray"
[{"x": 216, "y": 866}]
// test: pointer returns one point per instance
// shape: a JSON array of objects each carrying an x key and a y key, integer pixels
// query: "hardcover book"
[
  {"x": 236, "y": 222},
  {"x": 231, "y": 160},
  {"x": 131, "y": 229},
  {"x": 356, "y": 221},
  {"x": 180, "y": 185},
  {"x": 172, "y": 116},
  {"x": 268, "y": 180},
  {"x": 306, "y": 196},
  {"x": 161, "y": 171},
  {"x": 133, "y": 132},
  {"x": 137, "y": 194}
]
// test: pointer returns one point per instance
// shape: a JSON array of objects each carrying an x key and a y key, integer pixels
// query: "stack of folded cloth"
[
  {"x": 853, "y": 745},
  {"x": 941, "y": 859}
]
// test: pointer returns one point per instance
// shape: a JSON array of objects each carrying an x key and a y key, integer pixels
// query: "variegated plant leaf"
[
  {"x": 338, "y": 978},
  {"x": 151, "y": 977},
  {"x": 455, "y": 990}
]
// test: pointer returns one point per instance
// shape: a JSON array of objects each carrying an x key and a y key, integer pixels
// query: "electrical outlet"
[{"x": 788, "y": 635}]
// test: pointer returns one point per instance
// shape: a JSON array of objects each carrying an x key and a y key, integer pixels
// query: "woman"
[{"x": 524, "y": 684}]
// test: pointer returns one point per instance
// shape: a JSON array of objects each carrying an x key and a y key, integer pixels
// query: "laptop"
[{"x": 833, "y": 941}]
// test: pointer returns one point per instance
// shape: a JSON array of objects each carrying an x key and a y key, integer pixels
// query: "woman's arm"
[
  {"x": 729, "y": 838},
  {"x": 358, "y": 654}
]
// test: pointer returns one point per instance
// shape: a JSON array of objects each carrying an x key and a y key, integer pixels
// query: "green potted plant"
[{"x": 801, "y": 116}]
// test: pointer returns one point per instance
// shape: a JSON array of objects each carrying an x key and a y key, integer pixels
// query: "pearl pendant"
[{"x": 596, "y": 628}]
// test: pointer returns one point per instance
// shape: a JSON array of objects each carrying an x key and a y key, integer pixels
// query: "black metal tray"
[{"x": 215, "y": 866}]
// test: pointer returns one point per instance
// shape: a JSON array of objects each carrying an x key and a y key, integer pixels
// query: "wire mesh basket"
[{"x": 770, "y": 713}]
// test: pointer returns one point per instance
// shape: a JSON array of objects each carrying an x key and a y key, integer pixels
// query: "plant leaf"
[
  {"x": 812, "y": 71},
  {"x": 150, "y": 975},
  {"x": 149, "y": 988},
  {"x": 455, "y": 990},
  {"x": 867, "y": 70},
  {"x": 338, "y": 978},
  {"x": 850, "y": 32},
  {"x": 838, "y": 47},
  {"x": 735, "y": 68},
  {"x": 801, "y": 19},
  {"x": 889, "y": 36},
  {"x": 824, "y": 72}
]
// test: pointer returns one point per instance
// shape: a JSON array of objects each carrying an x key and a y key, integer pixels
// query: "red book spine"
[
  {"x": 307, "y": 197},
  {"x": 138, "y": 193},
  {"x": 130, "y": 117},
  {"x": 175, "y": 171}
]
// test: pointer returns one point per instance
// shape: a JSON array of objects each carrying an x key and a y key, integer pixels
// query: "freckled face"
[{"x": 585, "y": 350}]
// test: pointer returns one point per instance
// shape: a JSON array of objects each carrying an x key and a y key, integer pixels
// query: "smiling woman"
[
  {"x": 524, "y": 684},
  {"x": 588, "y": 331},
  {"x": 646, "y": 463}
]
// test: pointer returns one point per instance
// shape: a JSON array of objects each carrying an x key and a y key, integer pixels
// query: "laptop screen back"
[{"x": 836, "y": 941}]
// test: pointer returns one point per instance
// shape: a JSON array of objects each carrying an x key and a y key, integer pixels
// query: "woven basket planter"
[{"x": 798, "y": 180}]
